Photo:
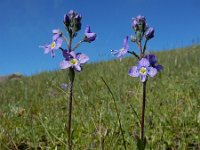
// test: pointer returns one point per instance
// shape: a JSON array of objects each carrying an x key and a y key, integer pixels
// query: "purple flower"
[
  {"x": 153, "y": 62},
  {"x": 74, "y": 60},
  {"x": 143, "y": 70},
  {"x": 120, "y": 53},
  {"x": 56, "y": 44},
  {"x": 89, "y": 36},
  {"x": 149, "y": 33}
]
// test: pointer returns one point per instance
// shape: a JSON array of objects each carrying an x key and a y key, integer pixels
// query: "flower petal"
[
  {"x": 72, "y": 53},
  {"x": 65, "y": 64},
  {"x": 143, "y": 63},
  {"x": 47, "y": 48},
  {"x": 53, "y": 53},
  {"x": 66, "y": 55},
  {"x": 82, "y": 58},
  {"x": 56, "y": 31},
  {"x": 58, "y": 43},
  {"x": 152, "y": 71},
  {"x": 114, "y": 52},
  {"x": 87, "y": 29},
  {"x": 143, "y": 77},
  {"x": 152, "y": 59},
  {"x": 133, "y": 72},
  {"x": 125, "y": 42},
  {"x": 56, "y": 36},
  {"x": 78, "y": 67},
  {"x": 90, "y": 36}
]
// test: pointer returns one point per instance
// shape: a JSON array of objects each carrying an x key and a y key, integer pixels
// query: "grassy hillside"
[{"x": 33, "y": 110}]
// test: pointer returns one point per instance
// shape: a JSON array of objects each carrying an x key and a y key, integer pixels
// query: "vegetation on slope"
[{"x": 33, "y": 110}]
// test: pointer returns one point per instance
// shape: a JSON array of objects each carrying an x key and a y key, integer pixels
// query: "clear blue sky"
[{"x": 26, "y": 24}]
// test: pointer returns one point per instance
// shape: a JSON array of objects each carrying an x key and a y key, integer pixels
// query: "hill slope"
[{"x": 33, "y": 110}]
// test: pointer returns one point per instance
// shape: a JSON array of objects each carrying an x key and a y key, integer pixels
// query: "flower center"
[
  {"x": 74, "y": 61},
  {"x": 143, "y": 70},
  {"x": 53, "y": 45}
]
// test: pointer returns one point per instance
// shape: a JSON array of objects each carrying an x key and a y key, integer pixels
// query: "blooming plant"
[
  {"x": 147, "y": 64},
  {"x": 71, "y": 60}
]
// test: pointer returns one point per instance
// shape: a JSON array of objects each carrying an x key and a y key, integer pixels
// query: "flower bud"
[
  {"x": 139, "y": 23},
  {"x": 66, "y": 20},
  {"x": 89, "y": 36},
  {"x": 149, "y": 33},
  {"x": 134, "y": 24},
  {"x": 133, "y": 39},
  {"x": 71, "y": 14},
  {"x": 73, "y": 21}
]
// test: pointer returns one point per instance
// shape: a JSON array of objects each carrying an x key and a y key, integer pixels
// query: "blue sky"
[{"x": 26, "y": 24}]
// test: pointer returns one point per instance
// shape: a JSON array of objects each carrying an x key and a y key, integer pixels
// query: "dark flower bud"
[
  {"x": 66, "y": 20},
  {"x": 78, "y": 18},
  {"x": 149, "y": 33}
]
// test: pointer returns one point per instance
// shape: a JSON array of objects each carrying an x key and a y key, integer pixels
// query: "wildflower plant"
[
  {"x": 147, "y": 64},
  {"x": 71, "y": 60}
]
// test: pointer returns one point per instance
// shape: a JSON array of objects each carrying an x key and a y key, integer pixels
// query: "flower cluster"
[
  {"x": 72, "y": 23},
  {"x": 141, "y": 29},
  {"x": 147, "y": 64}
]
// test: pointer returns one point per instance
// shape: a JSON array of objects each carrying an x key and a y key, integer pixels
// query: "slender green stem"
[
  {"x": 139, "y": 44},
  {"x": 143, "y": 110},
  {"x": 77, "y": 45},
  {"x": 145, "y": 46},
  {"x": 70, "y": 44},
  {"x": 117, "y": 111},
  {"x": 133, "y": 53}
]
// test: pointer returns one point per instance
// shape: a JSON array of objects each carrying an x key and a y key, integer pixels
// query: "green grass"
[{"x": 33, "y": 110}]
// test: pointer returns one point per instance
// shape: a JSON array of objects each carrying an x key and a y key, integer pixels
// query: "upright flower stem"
[
  {"x": 143, "y": 95},
  {"x": 140, "y": 48},
  {"x": 143, "y": 110},
  {"x": 72, "y": 76}
]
